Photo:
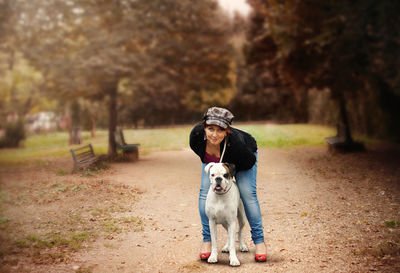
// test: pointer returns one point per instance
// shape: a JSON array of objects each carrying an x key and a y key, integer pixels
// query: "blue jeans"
[{"x": 246, "y": 181}]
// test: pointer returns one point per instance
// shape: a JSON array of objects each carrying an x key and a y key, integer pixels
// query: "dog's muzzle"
[{"x": 218, "y": 186}]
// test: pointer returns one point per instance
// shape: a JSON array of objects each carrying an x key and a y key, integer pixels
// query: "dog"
[{"x": 223, "y": 206}]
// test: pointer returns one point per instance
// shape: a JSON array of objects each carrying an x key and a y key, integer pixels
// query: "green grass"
[
  {"x": 272, "y": 135},
  {"x": 73, "y": 241},
  {"x": 38, "y": 147},
  {"x": 392, "y": 224}
]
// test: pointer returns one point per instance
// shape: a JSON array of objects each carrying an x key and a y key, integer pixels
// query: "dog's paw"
[
  {"x": 225, "y": 249},
  {"x": 243, "y": 248},
  {"x": 233, "y": 261},
  {"x": 213, "y": 259}
]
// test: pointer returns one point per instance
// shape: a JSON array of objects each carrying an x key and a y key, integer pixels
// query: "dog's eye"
[
  {"x": 212, "y": 175},
  {"x": 226, "y": 175}
]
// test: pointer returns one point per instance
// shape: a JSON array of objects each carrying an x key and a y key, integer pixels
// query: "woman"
[{"x": 212, "y": 140}]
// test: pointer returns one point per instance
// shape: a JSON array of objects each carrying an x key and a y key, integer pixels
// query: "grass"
[
  {"x": 85, "y": 270},
  {"x": 50, "y": 247},
  {"x": 192, "y": 267},
  {"x": 54, "y": 239},
  {"x": 389, "y": 244},
  {"x": 272, "y": 135},
  {"x": 72, "y": 241},
  {"x": 388, "y": 248},
  {"x": 37, "y": 148},
  {"x": 392, "y": 224},
  {"x": 61, "y": 213}
]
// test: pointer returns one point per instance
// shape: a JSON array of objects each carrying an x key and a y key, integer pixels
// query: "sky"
[{"x": 239, "y": 5}]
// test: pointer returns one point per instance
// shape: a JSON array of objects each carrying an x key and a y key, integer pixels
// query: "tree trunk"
[
  {"x": 302, "y": 114},
  {"x": 343, "y": 129},
  {"x": 112, "y": 125},
  {"x": 93, "y": 125},
  {"x": 75, "y": 136},
  {"x": 343, "y": 142}
]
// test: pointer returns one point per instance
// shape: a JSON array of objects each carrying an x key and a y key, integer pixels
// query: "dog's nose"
[{"x": 218, "y": 180}]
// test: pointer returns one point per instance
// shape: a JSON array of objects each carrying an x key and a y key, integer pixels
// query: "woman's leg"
[
  {"x": 205, "y": 185},
  {"x": 247, "y": 184}
]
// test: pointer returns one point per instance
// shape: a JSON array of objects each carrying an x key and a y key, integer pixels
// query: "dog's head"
[{"x": 221, "y": 176}]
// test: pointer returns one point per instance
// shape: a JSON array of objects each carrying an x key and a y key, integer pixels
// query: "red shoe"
[
  {"x": 205, "y": 255},
  {"x": 261, "y": 258}
]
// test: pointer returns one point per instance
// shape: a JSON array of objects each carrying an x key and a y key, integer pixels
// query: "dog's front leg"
[
  {"x": 214, "y": 248},
  {"x": 233, "y": 260}
]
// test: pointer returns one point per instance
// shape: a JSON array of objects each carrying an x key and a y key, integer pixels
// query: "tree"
[
  {"x": 190, "y": 59},
  {"x": 169, "y": 51},
  {"x": 19, "y": 92},
  {"x": 95, "y": 54},
  {"x": 262, "y": 95},
  {"x": 347, "y": 46}
]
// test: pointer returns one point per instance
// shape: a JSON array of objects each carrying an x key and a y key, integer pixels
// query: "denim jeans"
[{"x": 247, "y": 184}]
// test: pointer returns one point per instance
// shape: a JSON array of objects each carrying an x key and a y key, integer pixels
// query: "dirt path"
[
  {"x": 321, "y": 213},
  {"x": 312, "y": 223}
]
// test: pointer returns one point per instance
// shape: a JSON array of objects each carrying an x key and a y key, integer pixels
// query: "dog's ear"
[
  {"x": 208, "y": 167},
  {"x": 232, "y": 168}
]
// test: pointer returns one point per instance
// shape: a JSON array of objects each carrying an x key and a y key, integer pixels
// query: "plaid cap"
[{"x": 218, "y": 116}]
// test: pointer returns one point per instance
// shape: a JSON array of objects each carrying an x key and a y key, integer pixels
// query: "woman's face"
[{"x": 215, "y": 134}]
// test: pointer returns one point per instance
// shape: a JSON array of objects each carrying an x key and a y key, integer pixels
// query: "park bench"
[
  {"x": 337, "y": 144},
  {"x": 84, "y": 157},
  {"x": 129, "y": 151},
  {"x": 334, "y": 143},
  {"x": 340, "y": 143}
]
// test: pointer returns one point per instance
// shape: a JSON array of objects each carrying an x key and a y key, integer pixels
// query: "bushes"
[{"x": 14, "y": 134}]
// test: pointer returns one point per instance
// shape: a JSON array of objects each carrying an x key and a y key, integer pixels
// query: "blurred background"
[{"x": 83, "y": 65}]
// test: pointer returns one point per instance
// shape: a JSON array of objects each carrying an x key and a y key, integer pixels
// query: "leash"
[
  {"x": 220, "y": 161},
  {"x": 223, "y": 151}
]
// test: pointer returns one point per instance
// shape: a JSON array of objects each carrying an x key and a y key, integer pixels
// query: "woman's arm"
[
  {"x": 196, "y": 138},
  {"x": 242, "y": 152}
]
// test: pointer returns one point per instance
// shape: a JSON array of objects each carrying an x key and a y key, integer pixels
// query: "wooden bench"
[
  {"x": 343, "y": 141},
  {"x": 129, "y": 151},
  {"x": 337, "y": 144},
  {"x": 84, "y": 157}
]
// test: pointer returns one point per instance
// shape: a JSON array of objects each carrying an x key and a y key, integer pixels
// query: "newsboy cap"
[{"x": 218, "y": 116}]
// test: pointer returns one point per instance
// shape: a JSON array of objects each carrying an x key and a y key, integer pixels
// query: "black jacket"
[{"x": 240, "y": 147}]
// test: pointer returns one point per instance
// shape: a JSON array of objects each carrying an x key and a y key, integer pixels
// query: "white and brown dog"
[{"x": 223, "y": 206}]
